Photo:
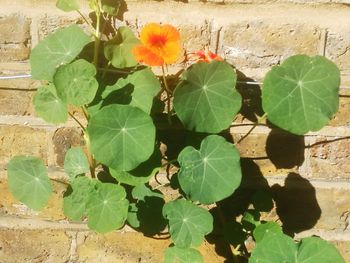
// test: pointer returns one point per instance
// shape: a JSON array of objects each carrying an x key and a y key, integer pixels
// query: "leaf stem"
[
  {"x": 92, "y": 29},
  {"x": 97, "y": 34},
  {"x": 168, "y": 94},
  {"x": 59, "y": 181},
  {"x": 77, "y": 121},
  {"x": 260, "y": 120}
]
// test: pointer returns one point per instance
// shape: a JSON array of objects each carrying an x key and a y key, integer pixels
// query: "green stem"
[
  {"x": 92, "y": 29},
  {"x": 168, "y": 94},
  {"x": 77, "y": 121},
  {"x": 97, "y": 35}
]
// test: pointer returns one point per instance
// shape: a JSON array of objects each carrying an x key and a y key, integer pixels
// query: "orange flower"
[
  {"x": 205, "y": 56},
  {"x": 160, "y": 45}
]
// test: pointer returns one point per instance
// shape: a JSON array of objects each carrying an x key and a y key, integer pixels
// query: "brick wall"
[{"x": 309, "y": 176}]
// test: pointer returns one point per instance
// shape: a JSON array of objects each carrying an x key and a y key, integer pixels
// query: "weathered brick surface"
[
  {"x": 344, "y": 249},
  {"x": 34, "y": 246},
  {"x": 338, "y": 48}
]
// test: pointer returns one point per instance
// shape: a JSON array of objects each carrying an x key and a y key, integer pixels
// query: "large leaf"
[
  {"x": 107, "y": 208},
  {"x": 76, "y": 83},
  {"x": 206, "y": 99},
  {"x": 28, "y": 181},
  {"x": 262, "y": 229},
  {"x": 75, "y": 162},
  {"x": 277, "y": 248},
  {"x": 182, "y": 255},
  {"x": 188, "y": 224},
  {"x": 118, "y": 50},
  {"x": 142, "y": 173},
  {"x": 301, "y": 94},
  {"x": 76, "y": 197},
  {"x": 49, "y": 106},
  {"x": 137, "y": 89},
  {"x": 56, "y": 49},
  {"x": 121, "y": 136},
  {"x": 212, "y": 173},
  {"x": 67, "y": 5}
]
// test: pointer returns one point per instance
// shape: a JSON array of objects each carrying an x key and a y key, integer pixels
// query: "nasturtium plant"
[{"x": 136, "y": 167}]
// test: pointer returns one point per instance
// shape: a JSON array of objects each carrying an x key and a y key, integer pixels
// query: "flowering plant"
[{"x": 127, "y": 112}]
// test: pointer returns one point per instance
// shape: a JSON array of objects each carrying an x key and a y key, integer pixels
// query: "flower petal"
[
  {"x": 145, "y": 55},
  {"x": 170, "y": 52}
]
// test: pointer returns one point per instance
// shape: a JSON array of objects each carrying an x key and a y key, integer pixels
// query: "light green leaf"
[
  {"x": 76, "y": 83},
  {"x": 251, "y": 219},
  {"x": 137, "y": 89},
  {"x": 28, "y": 181},
  {"x": 182, "y": 255},
  {"x": 188, "y": 224},
  {"x": 262, "y": 229},
  {"x": 301, "y": 94},
  {"x": 132, "y": 218},
  {"x": 49, "y": 106},
  {"x": 111, "y": 7},
  {"x": 107, "y": 208},
  {"x": 121, "y": 136},
  {"x": 142, "y": 173},
  {"x": 212, "y": 173},
  {"x": 57, "y": 49},
  {"x": 76, "y": 197},
  {"x": 141, "y": 191},
  {"x": 206, "y": 99},
  {"x": 317, "y": 250},
  {"x": 119, "y": 50},
  {"x": 75, "y": 162},
  {"x": 67, "y": 5}
]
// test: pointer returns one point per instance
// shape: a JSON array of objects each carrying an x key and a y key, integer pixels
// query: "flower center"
[{"x": 157, "y": 40}]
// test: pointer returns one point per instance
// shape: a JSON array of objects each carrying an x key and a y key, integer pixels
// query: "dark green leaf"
[
  {"x": 107, "y": 208},
  {"x": 67, "y": 5},
  {"x": 137, "y": 89},
  {"x": 49, "y": 106},
  {"x": 28, "y": 181},
  {"x": 188, "y": 224},
  {"x": 57, "y": 49},
  {"x": 234, "y": 233},
  {"x": 75, "y": 162},
  {"x": 121, "y": 136},
  {"x": 76, "y": 83},
  {"x": 251, "y": 219},
  {"x": 111, "y": 7},
  {"x": 119, "y": 50},
  {"x": 76, "y": 197},
  {"x": 262, "y": 229},
  {"x": 212, "y": 173},
  {"x": 206, "y": 99},
  {"x": 301, "y": 94},
  {"x": 182, "y": 255}
]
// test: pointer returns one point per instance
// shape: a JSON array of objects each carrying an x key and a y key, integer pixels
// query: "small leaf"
[
  {"x": 142, "y": 173},
  {"x": 76, "y": 197},
  {"x": 118, "y": 50},
  {"x": 121, "y": 136},
  {"x": 141, "y": 191},
  {"x": 28, "y": 181},
  {"x": 206, "y": 99},
  {"x": 111, "y": 7},
  {"x": 182, "y": 255},
  {"x": 137, "y": 89},
  {"x": 262, "y": 229},
  {"x": 67, "y": 5},
  {"x": 132, "y": 218},
  {"x": 75, "y": 162},
  {"x": 188, "y": 224},
  {"x": 76, "y": 83},
  {"x": 212, "y": 173},
  {"x": 314, "y": 249},
  {"x": 49, "y": 106},
  {"x": 57, "y": 49},
  {"x": 301, "y": 94},
  {"x": 107, "y": 208},
  {"x": 251, "y": 219}
]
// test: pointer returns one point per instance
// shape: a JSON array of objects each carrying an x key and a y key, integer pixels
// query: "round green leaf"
[
  {"x": 107, "y": 208},
  {"x": 49, "y": 106},
  {"x": 274, "y": 248},
  {"x": 138, "y": 89},
  {"x": 141, "y": 191},
  {"x": 188, "y": 223},
  {"x": 67, "y": 5},
  {"x": 301, "y": 94},
  {"x": 314, "y": 249},
  {"x": 262, "y": 229},
  {"x": 76, "y": 83},
  {"x": 182, "y": 255},
  {"x": 28, "y": 181},
  {"x": 118, "y": 50},
  {"x": 57, "y": 49},
  {"x": 212, "y": 173},
  {"x": 75, "y": 162},
  {"x": 121, "y": 136},
  {"x": 206, "y": 99},
  {"x": 76, "y": 196}
]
